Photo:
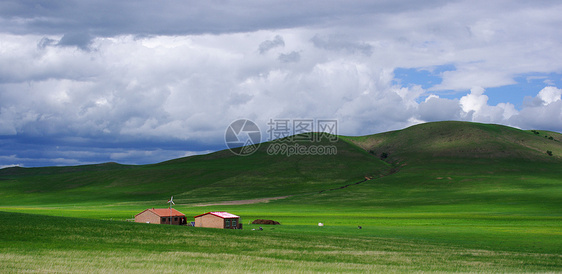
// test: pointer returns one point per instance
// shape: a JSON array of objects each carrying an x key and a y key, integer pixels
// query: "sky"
[{"x": 138, "y": 82}]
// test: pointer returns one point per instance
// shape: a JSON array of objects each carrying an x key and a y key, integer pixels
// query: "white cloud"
[
  {"x": 185, "y": 76},
  {"x": 471, "y": 107},
  {"x": 550, "y": 95},
  {"x": 545, "y": 117},
  {"x": 508, "y": 110},
  {"x": 541, "y": 112},
  {"x": 12, "y": 165},
  {"x": 468, "y": 77},
  {"x": 474, "y": 107},
  {"x": 474, "y": 101},
  {"x": 439, "y": 109}
]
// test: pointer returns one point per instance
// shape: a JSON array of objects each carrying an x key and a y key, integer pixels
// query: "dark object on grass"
[
  {"x": 265, "y": 222},
  {"x": 384, "y": 155},
  {"x": 360, "y": 227}
]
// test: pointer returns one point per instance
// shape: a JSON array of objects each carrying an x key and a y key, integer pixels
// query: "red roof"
[
  {"x": 164, "y": 212},
  {"x": 221, "y": 214}
]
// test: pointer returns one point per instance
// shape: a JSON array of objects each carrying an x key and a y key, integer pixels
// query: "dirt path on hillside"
[
  {"x": 390, "y": 172},
  {"x": 393, "y": 170},
  {"x": 243, "y": 202}
]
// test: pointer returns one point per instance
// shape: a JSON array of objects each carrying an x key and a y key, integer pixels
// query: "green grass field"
[
  {"x": 449, "y": 196},
  {"x": 56, "y": 244}
]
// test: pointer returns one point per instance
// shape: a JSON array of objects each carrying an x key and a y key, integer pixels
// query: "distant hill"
[
  {"x": 218, "y": 176},
  {"x": 223, "y": 176},
  {"x": 461, "y": 140}
]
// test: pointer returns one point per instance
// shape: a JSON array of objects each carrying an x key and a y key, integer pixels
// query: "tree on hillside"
[{"x": 384, "y": 155}]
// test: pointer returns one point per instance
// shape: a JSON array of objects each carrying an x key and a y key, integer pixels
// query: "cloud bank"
[{"x": 90, "y": 81}]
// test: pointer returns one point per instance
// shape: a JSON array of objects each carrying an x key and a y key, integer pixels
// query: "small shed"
[
  {"x": 223, "y": 220},
  {"x": 161, "y": 216}
]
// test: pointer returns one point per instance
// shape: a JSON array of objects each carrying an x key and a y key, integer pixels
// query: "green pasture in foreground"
[
  {"x": 55, "y": 244},
  {"x": 446, "y": 197},
  {"x": 411, "y": 221},
  {"x": 503, "y": 221}
]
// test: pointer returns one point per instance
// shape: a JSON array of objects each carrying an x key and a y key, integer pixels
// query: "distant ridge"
[
  {"x": 454, "y": 139},
  {"x": 224, "y": 176}
]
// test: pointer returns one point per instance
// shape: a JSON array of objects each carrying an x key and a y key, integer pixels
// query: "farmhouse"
[
  {"x": 218, "y": 220},
  {"x": 161, "y": 216}
]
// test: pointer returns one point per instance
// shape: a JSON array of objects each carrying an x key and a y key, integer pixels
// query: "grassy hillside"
[
  {"x": 479, "y": 197},
  {"x": 442, "y": 163},
  {"x": 218, "y": 176},
  {"x": 453, "y": 167},
  {"x": 440, "y": 141}
]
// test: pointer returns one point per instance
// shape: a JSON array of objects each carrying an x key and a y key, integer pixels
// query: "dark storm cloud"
[
  {"x": 341, "y": 44},
  {"x": 146, "y": 17},
  {"x": 289, "y": 57},
  {"x": 36, "y": 151},
  {"x": 265, "y": 46},
  {"x": 80, "y": 40},
  {"x": 44, "y": 42}
]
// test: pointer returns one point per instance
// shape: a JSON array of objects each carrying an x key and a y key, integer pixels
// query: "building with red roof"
[
  {"x": 223, "y": 220},
  {"x": 161, "y": 216}
]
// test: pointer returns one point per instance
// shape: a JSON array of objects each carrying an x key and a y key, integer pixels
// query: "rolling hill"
[
  {"x": 439, "y": 148},
  {"x": 217, "y": 176},
  {"x": 462, "y": 140}
]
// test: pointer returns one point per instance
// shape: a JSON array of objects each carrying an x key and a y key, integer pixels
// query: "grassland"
[
  {"x": 447, "y": 197},
  {"x": 56, "y": 244}
]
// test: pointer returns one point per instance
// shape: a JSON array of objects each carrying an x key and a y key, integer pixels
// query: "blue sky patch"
[
  {"x": 424, "y": 77},
  {"x": 527, "y": 84}
]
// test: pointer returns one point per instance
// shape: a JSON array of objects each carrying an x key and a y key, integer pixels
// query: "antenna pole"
[
  {"x": 171, "y": 202},
  {"x": 171, "y": 210},
  {"x": 170, "y": 213}
]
